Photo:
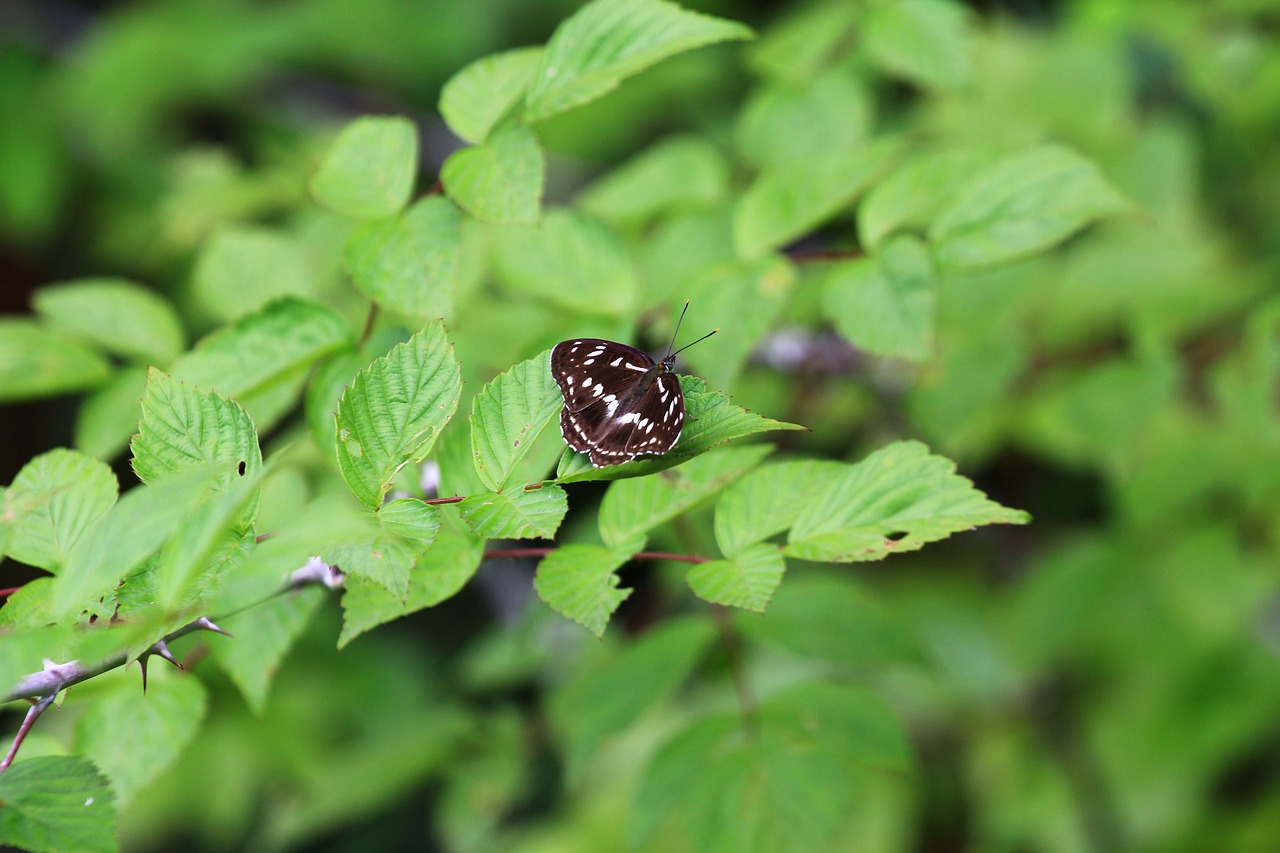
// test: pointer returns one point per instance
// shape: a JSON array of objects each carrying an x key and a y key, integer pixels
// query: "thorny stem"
[
  {"x": 42, "y": 687},
  {"x": 33, "y": 713}
]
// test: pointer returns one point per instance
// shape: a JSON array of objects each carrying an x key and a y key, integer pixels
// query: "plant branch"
[
  {"x": 33, "y": 713},
  {"x": 43, "y": 686}
]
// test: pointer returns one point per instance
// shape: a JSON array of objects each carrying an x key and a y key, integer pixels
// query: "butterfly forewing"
[{"x": 619, "y": 403}]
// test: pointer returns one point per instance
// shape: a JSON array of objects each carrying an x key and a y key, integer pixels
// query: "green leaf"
[
  {"x": 50, "y": 504},
  {"x": 608, "y": 40},
  {"x": 635, "y": 506},
  {"x": 262, "y": 360},
  {"x": 438, "y": 575},
  {"x": 109, "y": 414},
  {"x": 207, "y": 537},
  {"x": 117, "y": 315},
  {"x": 241, "y": 269},
  {"x": 604, "y": 701},
  {"x": 747, "y": 579},
  {"x": 262, "y": 638},
  {"x": 767, "y": 501},
  {"x": 886, "y": 303},
  {"x": 788, "y": 122},
  {"x": 797, "y": 48},
  {"x": 711, "y": 418},
  {"x": 183, "y": 428},
  {"x": 911, "y": 195},
  {"x": 328, "y": 382},
  {"x": 572, "y": 261},
  {"x": 134, "y": 737},
  {"x": 852, "y": 722},
  {"x": 409, "y": 263},
  {"x": 57, "y": 803},
  {"x": 744, "y": 298},
  {"x": 1026, "y": 202},
  {"x": 516, "y": 513},
  {"x": 369, "y": 170},
  {"x": 788, "y": 788},
  {"x": 130, "y": 532},
  {"x": 923, "y": 41},
  {"x": 790, "y": 199},
  {"x": 508, "y": 414},
  {"x": 407, "y": 528},
  {"x": 829, "y": 618},
  {"x": 684, "y": 172},
  {"x": 500, "y": 180},
  {"x": 393, "y": 413},
  {"x": 579, "y": 581},
  {"x": 36, "y": 362},
  {"x": 897, "y": 499},
  {"x": 480, "y": 96}
]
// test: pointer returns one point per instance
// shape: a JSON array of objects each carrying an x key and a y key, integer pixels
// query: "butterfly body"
[{"x": 619, "y": 402}]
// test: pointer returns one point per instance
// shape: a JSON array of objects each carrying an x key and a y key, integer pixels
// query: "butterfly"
[{"x": 618, "y": 401}]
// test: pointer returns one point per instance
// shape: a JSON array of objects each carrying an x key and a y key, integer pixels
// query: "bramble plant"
[{"x": 368, "y": 416}]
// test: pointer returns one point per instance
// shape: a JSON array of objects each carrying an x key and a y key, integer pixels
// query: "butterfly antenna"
[
  {"x": 677, "y": 331},
  {"x": 699, "y": 340}
]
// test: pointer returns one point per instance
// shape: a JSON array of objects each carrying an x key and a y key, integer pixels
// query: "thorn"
[
  {"x": 207, "y": 624},
  {"x": 161, "y": 649},
  {"x": 142, "y": 665}
]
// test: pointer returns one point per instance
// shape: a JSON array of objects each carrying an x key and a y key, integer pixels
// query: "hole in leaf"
[
  {"x": 897, "y": 535},
  {"x": 242, "y": 467}
]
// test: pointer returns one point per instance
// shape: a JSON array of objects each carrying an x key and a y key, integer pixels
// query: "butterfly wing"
[{"x": 618, "y": 404}]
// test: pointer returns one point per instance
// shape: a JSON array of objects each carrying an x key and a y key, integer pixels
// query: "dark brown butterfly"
[{"x": 618, "y": 401}]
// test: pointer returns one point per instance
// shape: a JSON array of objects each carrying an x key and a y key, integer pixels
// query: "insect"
[{"x": 618, "y": 402}]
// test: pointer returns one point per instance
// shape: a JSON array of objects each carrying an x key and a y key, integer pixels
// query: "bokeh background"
[{"x": 1104, "y": 679}]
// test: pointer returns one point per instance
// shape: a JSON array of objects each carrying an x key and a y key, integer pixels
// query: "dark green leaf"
[
  {"x": 500, "y": 180},
  {"x": 897, "y": 499},
  {"x": 50, "y": 504},
  {"x": 608, "y": 40},
  {"x": 790, "y": 199},
  {"x": 369, "y": 171},
  {"x": 747, "y": 579},
  {"x": 393, "y": 413},
  {"x": 438, "y": 575},
  {"x": 409, "y": 263},
  {"x": 570, "y": 260},
  {"x": 517, "y": 513},
  {"x": 36, "y": 362},
  {"x": 604, "y": 701},
  {"x": 1025, "y": 203},
  {"x": 508, "y": 414},
  {"x": 479, "y": 97},
  {"x": 262, "y": 360},
  {"x": 117, "y": 315},
  {"x": 767, "y": 501},
  {"x": 885, "y": 303},
  {"x": 579, "y": 582},
  {"x": 135, "y": 736},
  {"x": 685, "y": 172},
  {"x": 634, "y": 506},
  {"x": 241, "y": 269},
  {"x": 53, "y": 804}
]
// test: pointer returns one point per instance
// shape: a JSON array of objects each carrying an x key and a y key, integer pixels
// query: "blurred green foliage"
[{"x": 1103, "y": 679}]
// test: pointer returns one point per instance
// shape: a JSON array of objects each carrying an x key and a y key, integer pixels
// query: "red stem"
[{"x": 643, "y": 555}]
